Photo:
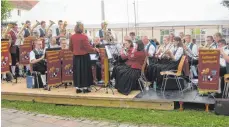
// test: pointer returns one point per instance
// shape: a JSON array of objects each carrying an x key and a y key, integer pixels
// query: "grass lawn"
[{"x": 187, "y": 118}]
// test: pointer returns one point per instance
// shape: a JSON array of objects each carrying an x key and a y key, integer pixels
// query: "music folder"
[{"x": 51, "y": 49}]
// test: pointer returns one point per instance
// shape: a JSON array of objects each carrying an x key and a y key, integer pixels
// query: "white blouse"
[{"x": 177, "y": 52}]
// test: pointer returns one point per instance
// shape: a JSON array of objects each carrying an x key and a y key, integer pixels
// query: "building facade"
[
  {"x": 20, "y": 9},
  {"x": 199, "y": 30}
]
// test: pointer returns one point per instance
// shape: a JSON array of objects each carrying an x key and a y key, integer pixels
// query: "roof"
[
  {"x": 162, "y": 24},
  {"x": 24, "y": 4}
]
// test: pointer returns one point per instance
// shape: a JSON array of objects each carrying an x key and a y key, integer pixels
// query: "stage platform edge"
[{"x": 89, "y": 101}]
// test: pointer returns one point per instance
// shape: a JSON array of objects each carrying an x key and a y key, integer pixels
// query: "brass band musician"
[
  {"x": 223, "y": 62},
  {"x": 210, "y": 43},
  {"x": 106, "y": 35},
  {"x": 14, "y": 48}
]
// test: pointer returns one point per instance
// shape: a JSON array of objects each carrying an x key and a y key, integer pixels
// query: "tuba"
[
  {"x": 107, "y": 34},
  {"x": 8, "y": 28},
  {"x": 20, "y": 38},
  {"x": 50, "y": 24},
  {"x": 63, "y": 28},
  {"x": 33, "y": 27}
]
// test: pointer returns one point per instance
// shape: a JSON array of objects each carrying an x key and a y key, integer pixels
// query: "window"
[
  {"x": 199, "y": 35},
  {"x": 165, "y": 32},
  {"x": 9, "y": 14},
  {"x": 19, "y": 12},
  {"x": 225, "y": 33}
]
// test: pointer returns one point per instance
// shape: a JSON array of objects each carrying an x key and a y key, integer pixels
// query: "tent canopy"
[{"x": 89, "y": 11}]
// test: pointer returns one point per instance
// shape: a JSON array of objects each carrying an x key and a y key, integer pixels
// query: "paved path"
[{"x": 16, "y": 118}]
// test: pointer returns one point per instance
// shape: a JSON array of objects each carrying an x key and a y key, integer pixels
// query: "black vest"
[
  {"x": 27, "y": 33},
  {"x": 101, "y": 33},
  {"x": 42, "y": 34},
  {"x": 57, "y": 34},
  {"x": 41, "y": 65}
]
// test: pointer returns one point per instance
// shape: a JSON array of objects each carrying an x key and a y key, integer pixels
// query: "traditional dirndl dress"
[
  {"x": 127, "y": 80},
  {"x": 82, "y": 72}
]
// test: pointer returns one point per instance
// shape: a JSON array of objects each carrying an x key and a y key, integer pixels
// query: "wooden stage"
[{"x": 68, "y": 96}]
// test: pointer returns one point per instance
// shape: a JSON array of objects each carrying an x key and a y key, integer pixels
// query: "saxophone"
[{"x": 8, "y": 28}]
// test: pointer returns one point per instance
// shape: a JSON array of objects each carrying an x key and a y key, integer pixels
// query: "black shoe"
[
  {"x": 78, "y": 91},
  {"x": 45, "y": 87},
  {"x": 86, "y": 91}
]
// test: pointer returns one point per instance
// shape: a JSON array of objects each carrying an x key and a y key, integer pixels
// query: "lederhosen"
[
  {"x": 41, "y": 65},
  {"x": 14, "y": 50},
  {"x": 26, "y": 34}
]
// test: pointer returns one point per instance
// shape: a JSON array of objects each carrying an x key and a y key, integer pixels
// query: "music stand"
[
  {"x": 110, "y": 51},
  {"x": 50, "y": 49}
]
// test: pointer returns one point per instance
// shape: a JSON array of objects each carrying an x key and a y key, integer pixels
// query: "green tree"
[
  {"x": 5, "y": 9},
  {"x": 225, "y": 3}
]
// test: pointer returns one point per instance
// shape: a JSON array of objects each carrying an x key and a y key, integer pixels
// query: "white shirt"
[
  {"x": 54, "y": 46},
  {"x": 177, "y": 52},
  {"x": 38, "y": 31},
  {"x": 152, "y": 49},
  {"x": 213, "y": 46},
  {"x": 54, "y": 30},
  {"x": 222, "y": 60},
  {"x": 32, "y": 55},
  {"x": 194, "y": 49}
]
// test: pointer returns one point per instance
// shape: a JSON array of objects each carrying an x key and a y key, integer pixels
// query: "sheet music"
[
  {"x": 109, "y": 55},
  {"x": 93, "y": 57}
]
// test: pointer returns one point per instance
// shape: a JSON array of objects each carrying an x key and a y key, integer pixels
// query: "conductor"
[{"x": 82, "y": 72}]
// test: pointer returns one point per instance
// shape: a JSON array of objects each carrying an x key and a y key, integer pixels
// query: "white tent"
[{"x": 122, "y": 11}]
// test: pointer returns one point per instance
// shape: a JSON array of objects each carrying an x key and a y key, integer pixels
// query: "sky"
[{"x": 122, "y": 11}]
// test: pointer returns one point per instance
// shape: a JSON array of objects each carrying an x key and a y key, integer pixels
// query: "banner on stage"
[
  {"x": 67, "y": 65},
  {"x": 24, "y": 51},
  {"x": 53, "y": 67},
  {"x": 104, "y": 65},
  {"x": 208, "y": 78},
  {"x": 5, "y": 58}
]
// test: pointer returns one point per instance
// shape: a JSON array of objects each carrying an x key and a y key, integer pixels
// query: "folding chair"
[
  {"x": 143, "y": 82},
  {"x": 175, "y": 74},
  {"x": 226, "y": 86}
]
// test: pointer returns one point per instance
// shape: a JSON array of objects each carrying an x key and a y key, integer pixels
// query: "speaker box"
[
  {"x": 171, "y": 84},
  {"x": 222, "y": 107}
]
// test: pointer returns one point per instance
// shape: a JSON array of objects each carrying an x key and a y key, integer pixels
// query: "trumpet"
[{"x": 188, "y": 51}]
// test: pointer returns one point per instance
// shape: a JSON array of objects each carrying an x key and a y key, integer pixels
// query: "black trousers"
[
  {"x": 98, "y": 71},
  {"x": 223, "y": 71}
]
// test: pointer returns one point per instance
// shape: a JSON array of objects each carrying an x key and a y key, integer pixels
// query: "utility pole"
[
  {"x": 102, "y": 10},
  {"x": 135, "y": 20},
  {"x": 128, "y": 15}
]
